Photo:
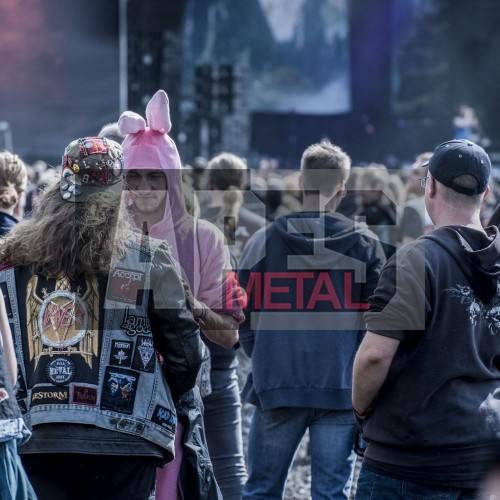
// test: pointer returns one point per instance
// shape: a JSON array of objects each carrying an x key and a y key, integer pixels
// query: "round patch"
[
  {"x": 63, "y": 318},
  {"x": 64, "y": 187},
  {"x": 78, "y": 190},
  {"x": 60, "y": 370},
  {"x": 66, "y": 195}
]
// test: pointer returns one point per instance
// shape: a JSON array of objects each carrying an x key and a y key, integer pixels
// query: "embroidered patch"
[
  {"x": 121, "y": 353},
  {"x": 4, "y": 395},
  {"x": 60, "y": 370},
  {"x": 49, "y": 396},
  {"x": 126, "y": 286},
  {"x": 3, "y": 287},
  {"x": 164, "y": 417},
  {"x": 83, "y": 394},
  {"x": 119, "y": 390},
  {"x": 144, "y": 358},
  {"x": 63, "y": 319},
  {"x": 134, "y": 325}
]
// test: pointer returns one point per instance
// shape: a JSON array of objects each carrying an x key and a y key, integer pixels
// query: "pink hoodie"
[{"x": 197, "y": 245}]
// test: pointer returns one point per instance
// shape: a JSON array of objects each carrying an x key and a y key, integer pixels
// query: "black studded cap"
[{"x": 90, "y": 165}]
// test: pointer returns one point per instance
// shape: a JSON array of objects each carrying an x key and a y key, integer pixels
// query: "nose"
[{"x": 144, "y": 184}]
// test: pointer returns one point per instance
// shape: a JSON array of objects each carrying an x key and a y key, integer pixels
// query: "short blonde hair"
[{"x": 13, "y": 179}]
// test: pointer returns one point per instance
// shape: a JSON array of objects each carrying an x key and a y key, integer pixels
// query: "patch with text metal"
[{"x": 60, "y": 370}]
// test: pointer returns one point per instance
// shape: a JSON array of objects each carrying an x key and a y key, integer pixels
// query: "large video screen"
[
  {"x": 295, "y": 52},
  {"x": 60, "y": 73}
]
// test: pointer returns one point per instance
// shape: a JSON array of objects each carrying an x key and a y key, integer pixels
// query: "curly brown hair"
[
  {"x": 13, "y": 179},
  {"x": 78, "y": 239}
]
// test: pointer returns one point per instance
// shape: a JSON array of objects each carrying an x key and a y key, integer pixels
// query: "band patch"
[
  {"x": 60, "y": 370},
  {"x": 144, "y": 358},
  {"x": 125, "y": 286},
  {"x": 119, "y": 390},
  {"x": 164, "y": 417},
  {"x": 121, "y": 353},
  {"x": 83, "y": 394},
  {"x": 63, "y": 319},
  {"x": 134, "y": 325},
  {"x": 49, "y": 396}
]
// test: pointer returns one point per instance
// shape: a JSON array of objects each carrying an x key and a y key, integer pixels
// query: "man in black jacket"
[{"x": 427, "y": 375}]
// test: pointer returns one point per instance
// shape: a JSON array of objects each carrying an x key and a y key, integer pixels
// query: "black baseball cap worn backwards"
[{"x": 454, "y": 158}]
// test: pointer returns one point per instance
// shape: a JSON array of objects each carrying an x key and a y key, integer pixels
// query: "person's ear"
[{"x": 431, "y": 186}]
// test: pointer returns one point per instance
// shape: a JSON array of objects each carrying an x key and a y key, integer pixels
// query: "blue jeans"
[
  {"x": 372, "y": 486},
  {"x": 222, "y": 417},
  {"x": 14, "y": 483},
  {"x": 274, "y": 438}
]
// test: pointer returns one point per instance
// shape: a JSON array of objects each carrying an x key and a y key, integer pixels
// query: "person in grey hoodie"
[
  {"x": 307, "y": 277},
  {"x": 427, "y": 374}
]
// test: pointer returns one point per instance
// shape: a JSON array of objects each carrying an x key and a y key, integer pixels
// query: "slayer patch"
[
  {"x": 164, "y": 417},
  {"x": 121, "y": 353},
  {"x": 60, "y": 370},
  {"x": 83, "y": 394},
  {"x": 144, "y": 355},
  {"x": 119, "y": 390}
]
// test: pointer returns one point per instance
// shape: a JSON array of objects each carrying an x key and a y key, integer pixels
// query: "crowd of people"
[{"x": 147, "y": 301}]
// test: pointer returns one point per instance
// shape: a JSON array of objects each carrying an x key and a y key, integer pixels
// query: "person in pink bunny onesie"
[{"x": 156, "y": 203}]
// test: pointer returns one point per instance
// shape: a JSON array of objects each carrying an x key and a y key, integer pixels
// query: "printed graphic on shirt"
[
  {"x": 60, "y": 370},
  {"x": 164, "y": 417},
  {"x": 49, "y": 395},
  {"x": 126, "y": 285},
  {"x": 488, "y": 315},
  {"x": 83, "y": 394},
  {"x": 119, "y": 390},
  {"x": 144, "y": 358},
  {"x": 121, "y": 353},
  {"x": 134, "y": 325},
  {"x": 63, "y": 321},
  {"x": 490, "y": 407},
  {"x": 3, "y": 287}
]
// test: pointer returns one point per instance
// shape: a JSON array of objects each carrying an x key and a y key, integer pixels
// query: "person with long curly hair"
[{"x": 105, "y": 338}]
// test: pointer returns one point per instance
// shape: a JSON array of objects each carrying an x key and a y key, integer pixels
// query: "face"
[{"x": 148, "y": 189}]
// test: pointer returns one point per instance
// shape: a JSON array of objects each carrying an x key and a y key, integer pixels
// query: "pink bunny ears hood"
[{"x": 147, "y": 145}]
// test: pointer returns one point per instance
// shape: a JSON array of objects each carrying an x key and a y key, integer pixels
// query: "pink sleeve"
[{"x": 218, "y": 286}]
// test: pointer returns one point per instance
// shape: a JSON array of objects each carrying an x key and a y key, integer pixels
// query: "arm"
[
  {"x": 222, "y": 329},
  {"x": 175, "y": 331},
  {"x": 218, "y": 318},
  {"x": 371, "y": 366},
  {"x": 8, "y": 345}
]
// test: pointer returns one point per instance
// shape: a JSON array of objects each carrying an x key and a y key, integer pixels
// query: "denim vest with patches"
[{"x": 84, "y": 364}]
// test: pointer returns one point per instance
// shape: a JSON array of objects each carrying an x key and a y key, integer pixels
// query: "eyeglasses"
[{"x": 423, "y": 181}]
